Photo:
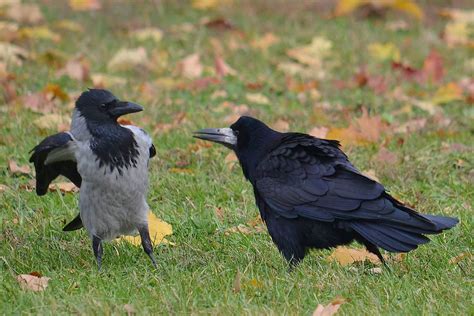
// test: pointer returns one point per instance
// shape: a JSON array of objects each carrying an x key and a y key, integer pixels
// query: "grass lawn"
[{"x": 188, "y": 182}]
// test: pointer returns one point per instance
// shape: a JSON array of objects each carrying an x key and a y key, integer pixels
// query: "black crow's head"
[
  {"x": 102, "y": 106},
  {"x": 248, "y": 137}
]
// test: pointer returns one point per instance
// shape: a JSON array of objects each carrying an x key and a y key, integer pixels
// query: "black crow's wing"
[
  {"x": 312, "y": 178},
  {"x": 52, "y": 157}
]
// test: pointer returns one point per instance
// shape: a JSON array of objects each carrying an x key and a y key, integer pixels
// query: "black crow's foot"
[
  {"x": 98, "y": 250},
  {"x": 146, "y": 243}
]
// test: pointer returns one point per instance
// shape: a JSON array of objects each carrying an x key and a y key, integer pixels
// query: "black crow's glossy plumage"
[{"x": 311, "y": 196}]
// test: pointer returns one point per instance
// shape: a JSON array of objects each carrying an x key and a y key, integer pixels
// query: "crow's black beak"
[
  {"x": 122, "y": 108},
  {"x": 224, "y": 136}
]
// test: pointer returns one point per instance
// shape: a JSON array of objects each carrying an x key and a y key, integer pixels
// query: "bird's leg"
[
  {"x": 98, "y": 250},
  {"x": 375, "y": 250},
  {"x": 146, "y": 243}
]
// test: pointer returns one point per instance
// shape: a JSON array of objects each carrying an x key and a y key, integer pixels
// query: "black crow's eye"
[
  {"x": 103, "y": 106},
  {"x": 236, "y": 133}
]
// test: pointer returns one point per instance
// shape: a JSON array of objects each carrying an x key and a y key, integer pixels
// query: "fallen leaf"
[
  {"x": 236, "y": 286},
  {"x": 24, "y": 13},
  {"x": 312, "y": 54},
  {"x": 38, "y": 102},
  {"x": 181, "y": 170},
  {"x": 448, "y": 93},
  {"x": 375, "y": 270},
  {"x": 386, "y": 157},
  {"x": 100, "y": 80},
  {"x": 33, "y": 282},
  {"x": 411, "y": 126},
  {"x": 52, "y": 91},
  {"x": 39, "y": 33},
  {"x": 76, "y": 69},
  {"x": 458, "y": 15},
  {"x": 455, "y": 147},
  {"x": 69, "y": 25},
  {"x": 432, "y": 71},
  {"x": 190, "y": 67},
  {"x": 148, "y": 34},
  {"x": 219, "y": 24},
  {"x": 460, "y": 257},
  {"x": 345, "y": 7},
  {"x": 398, "y": 25},
  {"x": 53, "y": 121},
  {"x": 208, "y": 4},
  {"x": 129, "y": 59},
  {"x": 16, "y": 169},
  {"x": 384, "y": 51},
  {"x": 346, "y": 256},
  {"x": 255, "y": 283},
  {"x": 281, "y": 125},
  {"x": 65, "y": 187},
  {"x": 12, "y": 54},
  {"x": 85, "y": 5},
  {"x": 329, "y": 309},
  {"x": 362, "y": 131},
  {"x": 257, "y": 98},
  {"x": 231, "y": 160},
  {"x": 253, "y": 226},
  {"x": 129, "y": 309},
  {"x": 265, "y": 41},
  {"x": 319, "y": 132},
  {"x": 3, "y": 188},
  {"x": 458, "y": 33},
  {"x": 222, "y": 69},
  {"x": 158, "y": 230}
]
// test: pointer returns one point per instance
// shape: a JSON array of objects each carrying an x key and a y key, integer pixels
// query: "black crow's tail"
[{"x": 402, "y": 237}]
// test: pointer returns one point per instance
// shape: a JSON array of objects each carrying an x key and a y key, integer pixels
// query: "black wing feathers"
[
  {"x": 312, "y": 178},
  {"x": 47, "y": 173}
]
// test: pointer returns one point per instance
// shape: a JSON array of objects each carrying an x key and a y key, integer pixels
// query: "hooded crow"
[
  {"x": 108, "y": 161},
  {"x": 311, "y": 196}
]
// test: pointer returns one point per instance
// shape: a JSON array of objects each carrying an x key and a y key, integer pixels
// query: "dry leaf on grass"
[
  {"x": 460, "y": 257},
  {"x": 236, "y": 286},
  {"x": 158, "y": 231},
  {"x": 12, "y": 54},
  {"x": 448, "y": 93},
  {"x": 265, "y": 41},
  {"x": 190, "y": 67},
  {"x": 319, "y": 132},
  {"x": 257, "y": 98},
  {"x": 329, "y": 309},
  {"x": 24, "y": 13},
  {"x": 384, "y": 51},
  {"x": 253, "y": 226},
  {"x": 65, "y": 187},
  {"x": 85, "y": 5},
  {"x": 54, "y": 121},
  {"x": 3, "y": 188},
  {"x": 222, "y": 69},
  {"x": 75, "y": 69},
  {"x": 16, "y": 169},
  {"x": 346, "y": 256},
  {"x": 39, "y": 33},
  {"x": 100, "y": 80},
  {"x": 32, "y": 282},
  {"x": 129, "y": 59},
  {"x": 411, "y": 126},
  {"x": 386, "y": 157},
  {"x": 281, "y": 125},
  {"x": 410, "y": 7},
  {"x": 148, "y": 34},
  {"x": 129, "y": 309}
]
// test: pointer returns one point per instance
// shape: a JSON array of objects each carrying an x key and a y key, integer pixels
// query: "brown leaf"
[
  {"x": 222, "y": 69},
  {"x": 129, "y": 59},
  {"x": 181, "y": 170},
  {"x": 257, "y": 98},
  {"x": 265, "y": 41},
  {"x": 75, "y": 69},
  {"x": 281, "y": 125},
  {"x": 231, "y": 160},
  {"x": 346, "y": 256},
  {"x": 25, "y": 13},
  {"x": 129, "y": 309},
  {"x": 16, "y": 169},
  {"x": 237, "y": 282},
  {"x": 219, "y": 24},
  {"x": 219, "y": 213},
  {"x": 190, "y": 67},
  {"x": 411, "y": 126},
  {"x": 64, "y": 187},
  {"x": 253, "y": 226},
  {"x": 32, "y": 282},
  {"x": 3, "y": 188},
  {"x": 432, "y": 71},
  {"x": 329, "y": 309},
  {"x": 319, "y": 132},
  {"x": 460, "y": 257}
]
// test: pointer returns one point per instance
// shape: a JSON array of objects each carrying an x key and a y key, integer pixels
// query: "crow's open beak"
[
  {"x": 123, "y": 108},
  {"x": 224, "y": 136}
]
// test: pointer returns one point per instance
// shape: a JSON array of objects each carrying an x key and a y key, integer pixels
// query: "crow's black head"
[
  {"x": 250, "y": 138},
  {"x": 102, "y": 106}
]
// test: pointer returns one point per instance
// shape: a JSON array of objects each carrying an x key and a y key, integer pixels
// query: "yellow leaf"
[
  {"x": 69, "y": 25},
  {"x": 347, "y": 6},
  {"x": 312, "y": 54},
  {"x": 458, "y": 15},
  {"x": 208, "y": 4},
  {"x": 448, "y": 93},
  {"x": 408, "y": 6},
  {"x": 384, "y": 52},
  {"x": 52, "y": 121},
  {"x": 12, "y": 54},
  {"x": 257, "y": 98},
  {"x": 459, "y": 33},
  {"x": 148, "y": 33},
  {"x": 158, "y": 230},
  {"x": 346, "y": 256},
  {"x": 129, "y": 59},
  {"x": 265, "y": 41},
  {"x": 39, "y": 33},
  {"x": 85, "y": 5}
]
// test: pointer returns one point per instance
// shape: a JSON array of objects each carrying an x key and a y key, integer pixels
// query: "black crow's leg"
[
  {"x": 146, "y": 243},
  {"x": 98, "y": 250},
  {"x": 375, "y": 250}
]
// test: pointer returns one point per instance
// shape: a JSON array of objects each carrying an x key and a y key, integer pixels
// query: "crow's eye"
[
  {"x": 103, "y": 106},
  {"x": 236, "y": 133}
]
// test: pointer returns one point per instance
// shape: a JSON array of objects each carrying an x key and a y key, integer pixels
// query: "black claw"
[
  {"x": 98, "y": 250},
  {"x": 146, "y": 243}
]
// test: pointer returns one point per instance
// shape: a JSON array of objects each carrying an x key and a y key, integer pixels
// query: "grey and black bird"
[
  {"x": 108, "y": 161},
  {"x": 311, "y": 196}
]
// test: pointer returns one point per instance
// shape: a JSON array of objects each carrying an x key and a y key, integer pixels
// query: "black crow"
[
  {"x": 311, "y": 196},
  {"x": 108, "y": 161}
]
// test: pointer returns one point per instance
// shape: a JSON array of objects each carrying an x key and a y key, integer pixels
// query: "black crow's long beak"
[
  {"x": 224, "y": 136},
  {"x": 122, "y": 108}
]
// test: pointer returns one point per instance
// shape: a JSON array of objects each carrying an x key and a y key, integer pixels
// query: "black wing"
[
  {"x": 53, "y": 157},
  {"x": 312, "y": 178}
]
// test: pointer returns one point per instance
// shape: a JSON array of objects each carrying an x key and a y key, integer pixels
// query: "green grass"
[{"x": 197, "y": 274}]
